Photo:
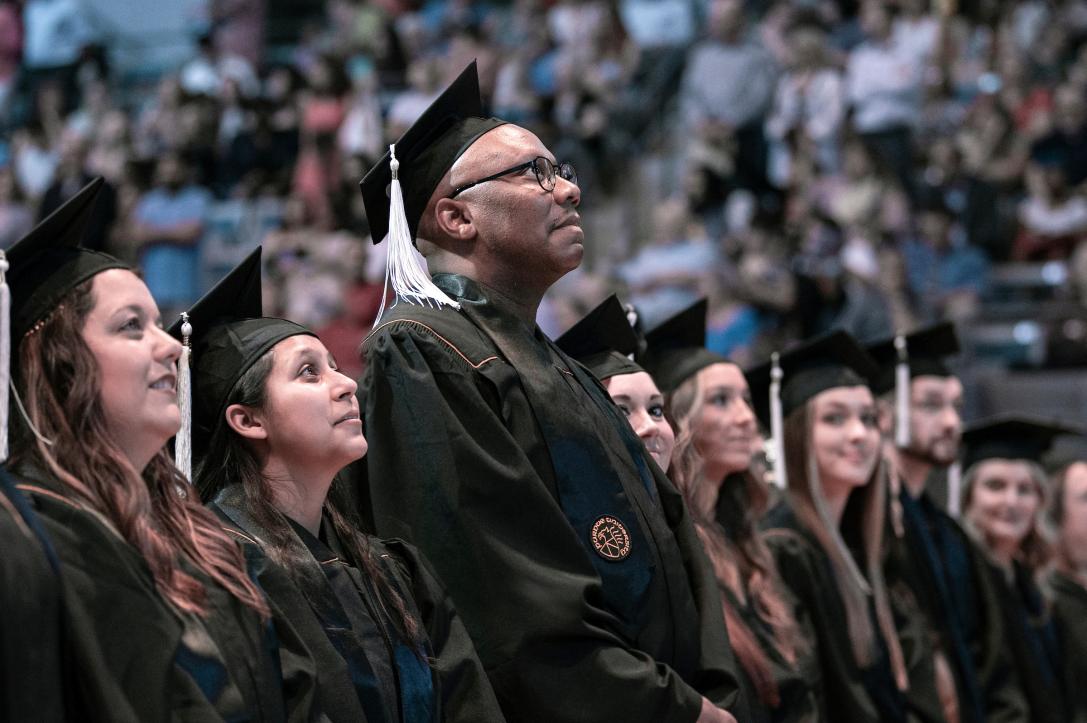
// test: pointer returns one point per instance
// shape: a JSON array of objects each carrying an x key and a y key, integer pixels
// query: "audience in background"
[{"x": 805, "y": 164}]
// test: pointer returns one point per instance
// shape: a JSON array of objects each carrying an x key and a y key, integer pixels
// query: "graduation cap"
[
  {"x": 907, "y": 356},
  {"x": 48, "y": 262},
  {"x": 676, "y": 348},
  {"x": 603, "y": 340},
  {"x": 225, "y": 335},
  {"x": 38, "y": 272},
  {"x": 789, "y": 380},
  {"x": 1012, "y": 436},
  {"x": 398, "y": 188}
]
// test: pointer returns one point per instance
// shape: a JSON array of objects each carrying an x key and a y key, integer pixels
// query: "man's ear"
[
  {"x": 245, "y": 422},
  {"x": 454, "y": 219}
]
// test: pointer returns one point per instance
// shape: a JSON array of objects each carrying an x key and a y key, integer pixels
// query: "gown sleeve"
[
  {"x": 466, "y": 693},
  {"x": 449, "y": 473}
]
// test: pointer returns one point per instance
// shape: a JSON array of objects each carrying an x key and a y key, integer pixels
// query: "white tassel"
[
  {"x": 777, "y": 423},
  {"x": 902, "y": 394},
  {"x": 405, "y": 268},
  {"x": 954, "y": 489},
  {"x": 5, "y": 354},
  {"x": 183, "y": 440}
]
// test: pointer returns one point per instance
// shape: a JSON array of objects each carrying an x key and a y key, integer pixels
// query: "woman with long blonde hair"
[
  {"x": 1003, "y": 503},
  {"x": 707, "y": 399}
]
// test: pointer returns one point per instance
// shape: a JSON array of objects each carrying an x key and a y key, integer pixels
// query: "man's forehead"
[
  {"x": 506, "y": 143},
  {"x": 933, "y": 383}
]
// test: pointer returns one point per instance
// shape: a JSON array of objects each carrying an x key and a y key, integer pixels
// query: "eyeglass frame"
[{"x": 535, "y": 170}]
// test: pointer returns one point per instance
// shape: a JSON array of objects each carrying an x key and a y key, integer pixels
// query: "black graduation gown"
[
  {"x": 1037, "y": 653},
  {"x": 31, "y": 668},
  {"x": 497, "y": 456},
  {"x": 798, "y": 683},
  {"x": 849, "y": 692},
  {"x": 365, "y": 671},
  {"x": 137, "y": 659},
  {"x": 958, "y": 608},
  {"x": 1070, "y": 619}
]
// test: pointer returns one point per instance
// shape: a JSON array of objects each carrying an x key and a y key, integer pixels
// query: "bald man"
[{"x": 569, "y": 554}]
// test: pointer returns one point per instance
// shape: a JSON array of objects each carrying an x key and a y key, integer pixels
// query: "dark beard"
[{"x": 928, "y": 456}]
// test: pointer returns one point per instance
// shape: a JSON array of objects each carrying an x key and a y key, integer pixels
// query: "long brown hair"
[
  {"x": 58, "y": 376},
  {"x": 864, "y": 516},
  {"x": 742, "y": 563},
  {"x": 1062, "y": 556},
  {"x": 229, "y": 458}
]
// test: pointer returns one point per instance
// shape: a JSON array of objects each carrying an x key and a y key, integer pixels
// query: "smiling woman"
[
  {"x": 826, "y": 532},
  {"x": 157, "y": 597},
  {"x": 274, "y": 422},
  {"x": 709, "y": 402},
  {"x": 1003, "y": 497}
]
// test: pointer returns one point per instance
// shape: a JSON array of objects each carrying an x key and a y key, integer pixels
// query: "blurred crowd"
[{"x": 805, "y": 164}]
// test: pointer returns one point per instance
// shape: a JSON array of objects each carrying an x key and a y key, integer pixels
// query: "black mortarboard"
[
  {"x": 1012, "y": 436},
  {"x": 426, "y": 152},
  {"x": 603, "y": 340},
  {"x": 927, "y": 350},
  {"x": 832, "y": 360},
  {"x": 676, "y": 348},
  {"x": 48, "y": 263},
  {"x": 228, "y": 336}
]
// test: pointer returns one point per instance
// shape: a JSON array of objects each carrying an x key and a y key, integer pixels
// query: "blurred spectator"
[
  {"x": 884, "y": 80},
  {"x": 72, "y": 175},
  {"x": 11, "y": 50},
  {"x": 675, "y": 269},
  {"x": 424, "y": 78},
  {"x": 1053, "y": 216},
  {"x": 309, "y": 269},
  {"x": 947, "y": 276},
  {"x": 976, "y": 191},
  {"x": 167, "y": 225},
  {"x": 831, "y": 295},
  {"x": 862, "y": 194},
  {"x": 212, "y": 66},
  {"x": 361, "y": 133},
  {"x": 86, "y": 120},
  {"x": 55, "y": 33},
  {"x": 34, "y": 161},
  {"x": 159, "y": 127},
  {"x": 343, "y": 334},
  {"x": 237, "y": 29},
  {"x": 322, "y": 111},
  {"x": 16, "y": 218},
  {"x": 110, "y": 149},
  {"x": 804, "y": 127},
  {"x": 1066, "y": 142},
  {"x": 726, "y": 91}
]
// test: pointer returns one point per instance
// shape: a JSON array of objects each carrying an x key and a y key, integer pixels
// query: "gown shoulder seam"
[{"x": 475, "y": 365}]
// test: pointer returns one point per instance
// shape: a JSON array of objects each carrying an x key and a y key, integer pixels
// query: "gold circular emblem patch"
[{"x": 610, "y": 539}]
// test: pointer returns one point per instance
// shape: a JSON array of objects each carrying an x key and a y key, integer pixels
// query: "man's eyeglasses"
[{"x": 546, "y": 173}]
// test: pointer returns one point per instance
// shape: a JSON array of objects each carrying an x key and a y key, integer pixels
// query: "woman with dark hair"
[
  {"x": 825, "y": 535},
  {"x": 1003, "y": 498},
  {"x": 161, "y": 619},
  {"x": 273, "y": 423},
  {"x": 1068, "y": 581},
  {"x": 717, "y": 436}
]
